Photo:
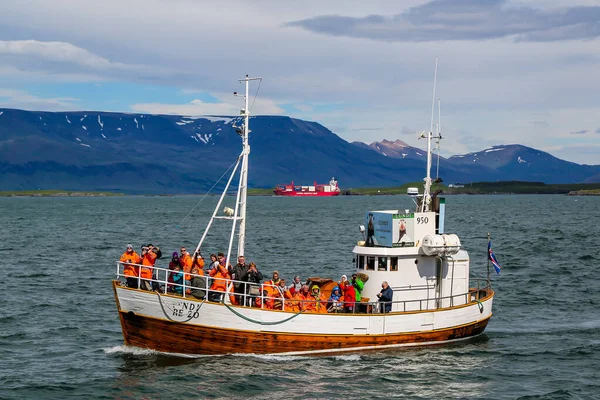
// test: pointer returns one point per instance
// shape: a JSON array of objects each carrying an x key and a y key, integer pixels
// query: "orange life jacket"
[
  {"x": 128, "y": 269},
  {"x": 219, "y": 275},
  {"x": 186, "y": 262},
  {"x": 148, "y": 259},
  {"x": 315, "y": 305}
]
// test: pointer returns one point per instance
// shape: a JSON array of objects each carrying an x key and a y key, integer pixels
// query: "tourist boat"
[
  {"x": 329, "y": 189},
  {"x": 434, "y": 300}
]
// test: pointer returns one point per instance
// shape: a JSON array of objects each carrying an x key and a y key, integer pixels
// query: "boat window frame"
[
  {"x": 373, "y": 266},
  {"x": 394, "y": 267},
  {"x": 360, "y": 262},
  {"x": 383, "y": 263}
]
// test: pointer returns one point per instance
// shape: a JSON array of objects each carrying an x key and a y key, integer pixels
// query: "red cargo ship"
[{"x": 330, "y": 189}]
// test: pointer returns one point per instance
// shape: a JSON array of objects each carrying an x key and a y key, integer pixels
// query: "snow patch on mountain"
[
  {"x": 137, "y": 125},
  {"x": 103, "y": 136},
  {"x": 119, "y": 129},
  {"x": 86, "y": 145},
  {"x": 84, "y": 128},
  {"x": 100, "y": 123},
  {"x": 79, "y": 140},
  {"x": 67, "y": 117},
  {"x": 225, "y": 120},
  {"x": 520, "y": 160},
  {"x": 204, "y": 138}
]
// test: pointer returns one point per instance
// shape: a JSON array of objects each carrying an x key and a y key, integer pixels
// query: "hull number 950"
[{"x": 422, "y": 220}]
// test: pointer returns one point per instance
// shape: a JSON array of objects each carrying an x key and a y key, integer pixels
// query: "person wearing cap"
[
  {"x": 317, "y": 303},
  {"x": 131, "y": 272}
]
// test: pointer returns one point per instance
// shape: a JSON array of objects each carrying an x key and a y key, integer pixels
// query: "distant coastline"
[
  {"x": 55, "y": 193},
  {"x": 508, "y": 187},
  {"x": 591, "y": 192}
]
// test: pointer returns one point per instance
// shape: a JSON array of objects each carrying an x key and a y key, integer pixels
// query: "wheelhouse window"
[
  {"x": 382, "y": 265},
  {"x": 371, "y": 263},
  {"x": 360, "y": 262},
  {"x": 394, "y": 264}
]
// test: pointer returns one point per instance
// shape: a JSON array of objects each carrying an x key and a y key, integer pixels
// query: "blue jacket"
[
  {"x": 387, "y": 295},
  {"x": 177, "y": 278}
]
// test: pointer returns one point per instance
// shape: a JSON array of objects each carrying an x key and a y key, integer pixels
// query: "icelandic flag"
[{"x": 492, "y": 258}]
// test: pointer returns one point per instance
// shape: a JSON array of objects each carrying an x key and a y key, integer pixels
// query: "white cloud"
[
  {"x": 10, "y": 98},
  {"x": 199, "y": 107},
  {"x": 56, "y": 52}
]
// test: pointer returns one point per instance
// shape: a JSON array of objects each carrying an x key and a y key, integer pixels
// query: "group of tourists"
[{"x": 244, "y": 282}]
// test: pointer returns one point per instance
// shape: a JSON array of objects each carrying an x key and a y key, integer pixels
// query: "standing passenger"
[
  {"x": 131, "y": 272},
  {"x": 220, "y": 277},
  {"x": 253, "y": 276},
  {"x": 239, "y": 287},
  {"x": 385, "y": 297},
  {"x": 149, "y": 256}
]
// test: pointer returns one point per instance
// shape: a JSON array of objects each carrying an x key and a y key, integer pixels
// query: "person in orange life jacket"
[
  {"x": 266, "y": 298},
  {"x": 302, "y": 297},
  {"x": 149, "y": 256},
  {"x": 317, "y": 303},
  {"x": 349, "y": 293},
  {"x": 281, "y": 294},
  {"x": 186, "y": 261},
  {"x": 237, "y": 273},
  {"x": 253, "y": 276},
  {"x": 385, "y": 297},
  {"x": 220, "y": 276},
  {"x": 131, "y": 272},
  {"x": 274, "y": 281},
  {"x": 271, "y": 291},
  {"x": 296, "y": 285}
]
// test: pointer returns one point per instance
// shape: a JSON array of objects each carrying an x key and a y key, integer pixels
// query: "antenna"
[
  {"x": 426, "y": 193},
  {"x": 439, "y": 138}
]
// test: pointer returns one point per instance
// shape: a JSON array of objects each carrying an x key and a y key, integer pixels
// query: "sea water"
[{"x": 60, "y": 335}]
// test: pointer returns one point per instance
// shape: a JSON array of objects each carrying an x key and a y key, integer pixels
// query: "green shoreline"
[
  {"x": 55, "y": 193},
  {"x": 511, "y": 187}
]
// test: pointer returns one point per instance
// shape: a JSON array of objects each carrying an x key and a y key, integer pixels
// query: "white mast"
[
  {"x": 427, "y": 192},
  {"x": 438, "y": 138},
  {"x": 239, "y": 214},
  {"x": 243, "y": 187}
]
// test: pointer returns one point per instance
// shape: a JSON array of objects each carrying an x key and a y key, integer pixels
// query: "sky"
[{"x": 510, "y": 71}]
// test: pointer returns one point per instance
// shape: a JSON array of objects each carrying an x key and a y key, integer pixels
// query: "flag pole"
[{"x": 488, "y": 256}]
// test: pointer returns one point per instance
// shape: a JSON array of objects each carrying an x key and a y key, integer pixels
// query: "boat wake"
[{"x": 129, "y": 350}]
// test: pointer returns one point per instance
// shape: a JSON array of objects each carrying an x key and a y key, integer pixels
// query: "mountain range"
[{"x": 144, "y": 153}]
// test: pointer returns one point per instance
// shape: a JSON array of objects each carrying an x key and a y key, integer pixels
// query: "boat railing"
[{"x": 257, "y": 294}]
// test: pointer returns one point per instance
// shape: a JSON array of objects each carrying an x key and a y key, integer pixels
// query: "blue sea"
[{"x": 60, "y": 335}]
